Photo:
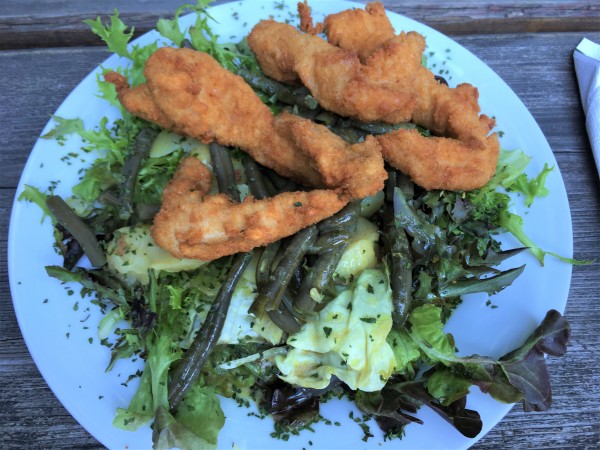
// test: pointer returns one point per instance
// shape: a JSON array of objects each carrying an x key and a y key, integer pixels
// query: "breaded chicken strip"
[
  {"x": 139, "y": 101},
  {"x": 440, "y": 163},
  {"x": 463, "y": 156},
  {"x": 193, "y": 224},
  {"x": 359, "y": 30},
  {"x": 357, "y": 169},
  {"x": 190, "y": 93},
  {"x": 335, "y": 77}
]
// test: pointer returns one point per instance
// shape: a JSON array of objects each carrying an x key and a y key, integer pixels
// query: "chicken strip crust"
[
  {"x": 183, "y": 94},
  {"x": 306, "y": 21},
  {"x": 190, "y": 93},
  {"x": 359, "y": 30},
  {"x": 193, "y": 224},
  {"x": 139, "y": 101},
  {"x": 358, "y": 169},
  {"x": 463, "y": 156},
  {"x": 440, "y": 163},
  {"x": 335, "y": 77}
]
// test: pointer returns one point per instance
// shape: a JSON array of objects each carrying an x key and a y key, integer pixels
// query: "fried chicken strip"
[
  {"x": 334, "y": 76},
  {"x": 462, "y": 156},
  {"x": 359, "y": 30},
  {"x": 190, "y": 93},
  {"x": 358, "y": 170},
  {"x": 193, "y": 224}
]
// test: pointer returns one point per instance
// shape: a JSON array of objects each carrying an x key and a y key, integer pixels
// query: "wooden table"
[{"x": 45, "y": 51}]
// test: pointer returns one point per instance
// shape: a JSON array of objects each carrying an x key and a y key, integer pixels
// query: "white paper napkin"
[{"x": 587, "y": 68}]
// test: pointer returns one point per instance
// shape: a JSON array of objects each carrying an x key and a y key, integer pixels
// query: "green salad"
[{"x": 383, "y": 276}]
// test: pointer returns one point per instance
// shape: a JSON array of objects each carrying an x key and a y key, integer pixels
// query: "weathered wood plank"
[
  {"x": 57, "y": 23},
  {"x": 35, "y": 84}
]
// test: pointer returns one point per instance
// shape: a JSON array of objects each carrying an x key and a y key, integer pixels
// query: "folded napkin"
[{"x": 587, "y": 68}]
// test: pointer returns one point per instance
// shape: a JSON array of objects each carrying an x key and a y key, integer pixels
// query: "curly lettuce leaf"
[
  {"x": 34, "y": 195},
  {"x": 117, "y": 37},
  {"x": 491, "y": 203}
]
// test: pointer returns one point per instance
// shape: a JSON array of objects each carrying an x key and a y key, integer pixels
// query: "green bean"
[
  {"x": 343, "y": 225},
  {"x": 280, "y": 91},
  {"x": 281, "y": 184},
  {"x": 187, "y": 372},
  {"x": 350, "y": 135},
  {"x": 109, "y": 198},
  {"x": 145, "y": 212},
  {"x": 284, "y": 319},
  {"x": 325, "y": 242},
  {"x": 224, "y": 171},
  {"x": 399, "y": 259},
  {"x": 64, "y": 215},
  {"x": 254, "y": 178},
  {"x": 131, "y": 168},
  {"x": 381, "y": 127},
  {"x": 243, "y": 47},
  {"x": 186, "y": 43},
  {"x": 327, "y": 118},
  {"x": 283, "y": 273},
  {"x": 415, "y": 226},
  {"x": 265, "y": 263}
]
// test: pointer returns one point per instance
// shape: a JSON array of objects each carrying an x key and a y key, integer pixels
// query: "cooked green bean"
[
  {"x": 343, "y": 225},
  {"x": 186, "y": 43},
  {"x": 381, "y": 127},
  {"x": 188, "y": 370},
  {"x": 224, "y": 171},
  {"x": 265, "y": 263},
  {"x": 281, "y": 184},
  {"x": 350, "y": 135},
  {"x": 145, "y": 212},
  {"x": 139, "y": 152},
  {"x": 254, "y": 178},
  {"x": 284, "y": 318},
  {"x": 64, "y": 215},
  {"x": 408, "y": 218},
  {"x": 283, "y": 273},
  {"x": 300, "y": 96},
  {"x": 399, "y": 259}
]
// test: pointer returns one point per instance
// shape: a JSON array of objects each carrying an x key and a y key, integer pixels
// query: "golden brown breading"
[
  {"x": 463, "y": 156},
  {"x": 358, "y": 169},
  {"x": 335, "y": 77},
  {"x": 192, "y": 224},
  {"x": 306, "y": 21},
  {"x": 190, "y": 93},
  {"x": 359, "y": 30},
  {"x": 138, "y": 100},
  {"x": 440, "y": 163}
]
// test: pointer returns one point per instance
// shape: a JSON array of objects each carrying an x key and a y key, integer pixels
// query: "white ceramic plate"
[{"x": 60, "y": 328}]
